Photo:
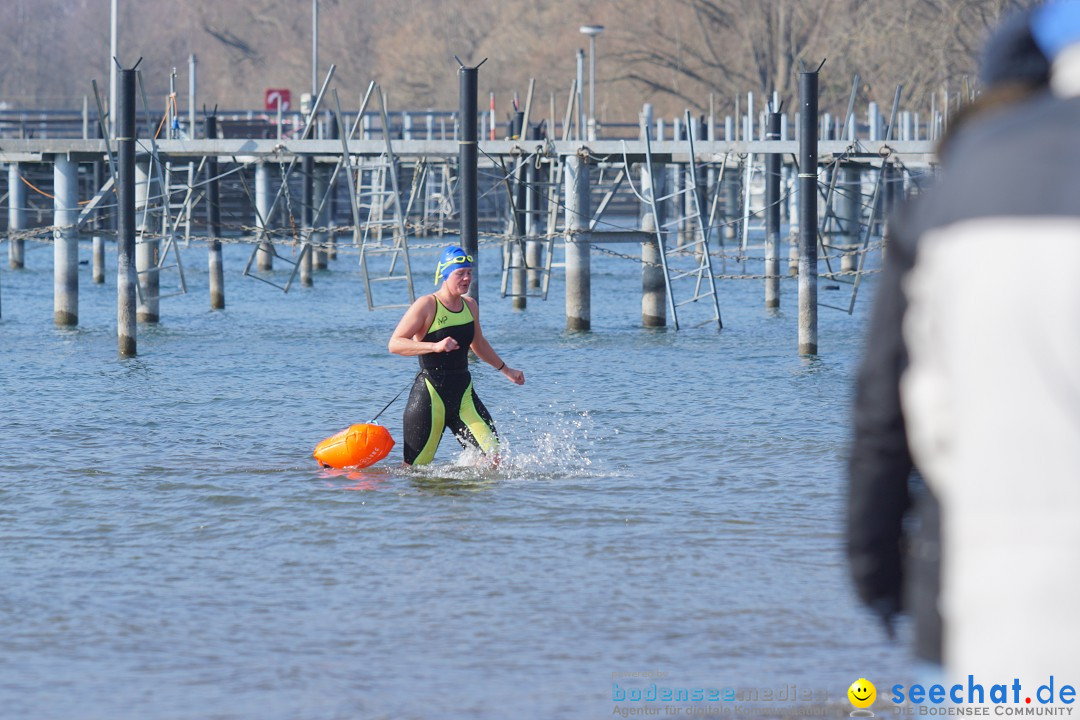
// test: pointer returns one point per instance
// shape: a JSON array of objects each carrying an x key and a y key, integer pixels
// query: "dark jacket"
[
  {"x": 1011, "y": 163},
  {"x": 886, "y": 541}
]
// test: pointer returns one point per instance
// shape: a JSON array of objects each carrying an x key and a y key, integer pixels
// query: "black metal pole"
[
  {"x": 517, "y": 251},
  {"x": 467, "y": 156},
  {"x": 536, "y": 134},
  {"x": 772, "y": 216},
  {"x": 808, "y": 218},
  {"x": 125, "y": 193},
  {"x": 307, "y": 217},
  {"x": 533, "y": 248},
  {"x": 307, "y": 172},
  {"x": 213, "y": 212},
  {"x": 331, "y": 214},
  {"x": 521, "y": 185}
]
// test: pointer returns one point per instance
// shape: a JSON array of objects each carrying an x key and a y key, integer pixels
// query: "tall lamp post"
[
  {"x": 314, "y": 48},
  {"x": 592, "y": 31}
]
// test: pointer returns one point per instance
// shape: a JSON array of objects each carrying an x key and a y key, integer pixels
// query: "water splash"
[{"x": 551, "y": 445}]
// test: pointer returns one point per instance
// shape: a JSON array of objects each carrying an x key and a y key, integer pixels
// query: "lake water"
[{"x": 672, "y": 502}]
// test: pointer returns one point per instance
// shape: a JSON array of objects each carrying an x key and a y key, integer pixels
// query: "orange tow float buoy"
[{"x": 355, "y": 446}]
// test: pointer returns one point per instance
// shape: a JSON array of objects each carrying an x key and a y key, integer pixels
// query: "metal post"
[
  {"x": 534, "y": 249},
  {"x": 578, "y": 301},
  {"x": 772, "y": 216},
  {"x": 467, "y": 155},
  {"x": 320, "y": 238},
  {"x": 731, "y": 180},
  {"x": 326, "y": 219},
  {"x": 213, "y": 208},
  {"x": 314, "y": 48},
  {"x": 653, "y": 288},
  {"x": 99, "y": 225},
  {"x": 849, "y": 192},
  {"x": 889, "y": 197},
  {"x": 307, "y": 171},
  {"x": 192, "y": 134},
  {"x": 748, "y": 126},
  {"x": 191, "y": 96},
  {"x": 592, "y": 87},
  {"x": 785, "y": 176},
  {"x": 16, "y": 216},
  {"x": 65, "y": 241},
  {"x": 146, "y": 251},
  {"x": 676, "y": 191},
  {"x": 580, "y": 94},
  {"x": 710, "y": 130},
  {"x": 808, "y": 162},
  {"x": 125, "y": 195},
  {"x": 645, "y": 121},
  {"x": 517, "y": 250},
  {"x": 262, "y": 203},
  {"x": 693, "y": 131},
  {"x": 113, "y": 109}
]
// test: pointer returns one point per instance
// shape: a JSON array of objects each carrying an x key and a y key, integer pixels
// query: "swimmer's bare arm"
[
  {"x": 407, "y": 338},
  {"x": 484, "y": 351}
]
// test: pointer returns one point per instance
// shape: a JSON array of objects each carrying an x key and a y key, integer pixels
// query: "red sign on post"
[{"x": 276, "y": 95}]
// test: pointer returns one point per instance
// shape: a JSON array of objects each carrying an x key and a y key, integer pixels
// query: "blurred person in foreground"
[{"x": 972, "y": 375}]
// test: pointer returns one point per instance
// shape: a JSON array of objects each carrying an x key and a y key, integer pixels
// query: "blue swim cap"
[
  {"x": 452, "y": 258},
  {"x": 1055, "y": 26}
]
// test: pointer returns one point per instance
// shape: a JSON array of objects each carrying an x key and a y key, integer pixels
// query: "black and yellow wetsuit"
[{"x": 443, "y": 396}]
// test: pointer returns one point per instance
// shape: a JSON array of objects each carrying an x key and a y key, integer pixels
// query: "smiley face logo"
[{"x": 862, "y": 693}]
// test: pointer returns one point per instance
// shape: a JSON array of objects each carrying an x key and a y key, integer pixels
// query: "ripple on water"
[{"x": 667, "y": 500}]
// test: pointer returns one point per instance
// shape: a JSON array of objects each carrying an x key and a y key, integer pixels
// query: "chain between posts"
[
  {"x": 842, "y": 273},
  {"x": 46, "y": 234}
]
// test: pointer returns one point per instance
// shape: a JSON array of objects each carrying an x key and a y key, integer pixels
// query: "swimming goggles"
[{"x": 456, "y": 260}]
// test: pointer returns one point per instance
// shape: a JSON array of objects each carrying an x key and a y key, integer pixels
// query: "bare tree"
[
  {"x": 673, "y": 53},
  {"x": 725, "y": 46}
]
